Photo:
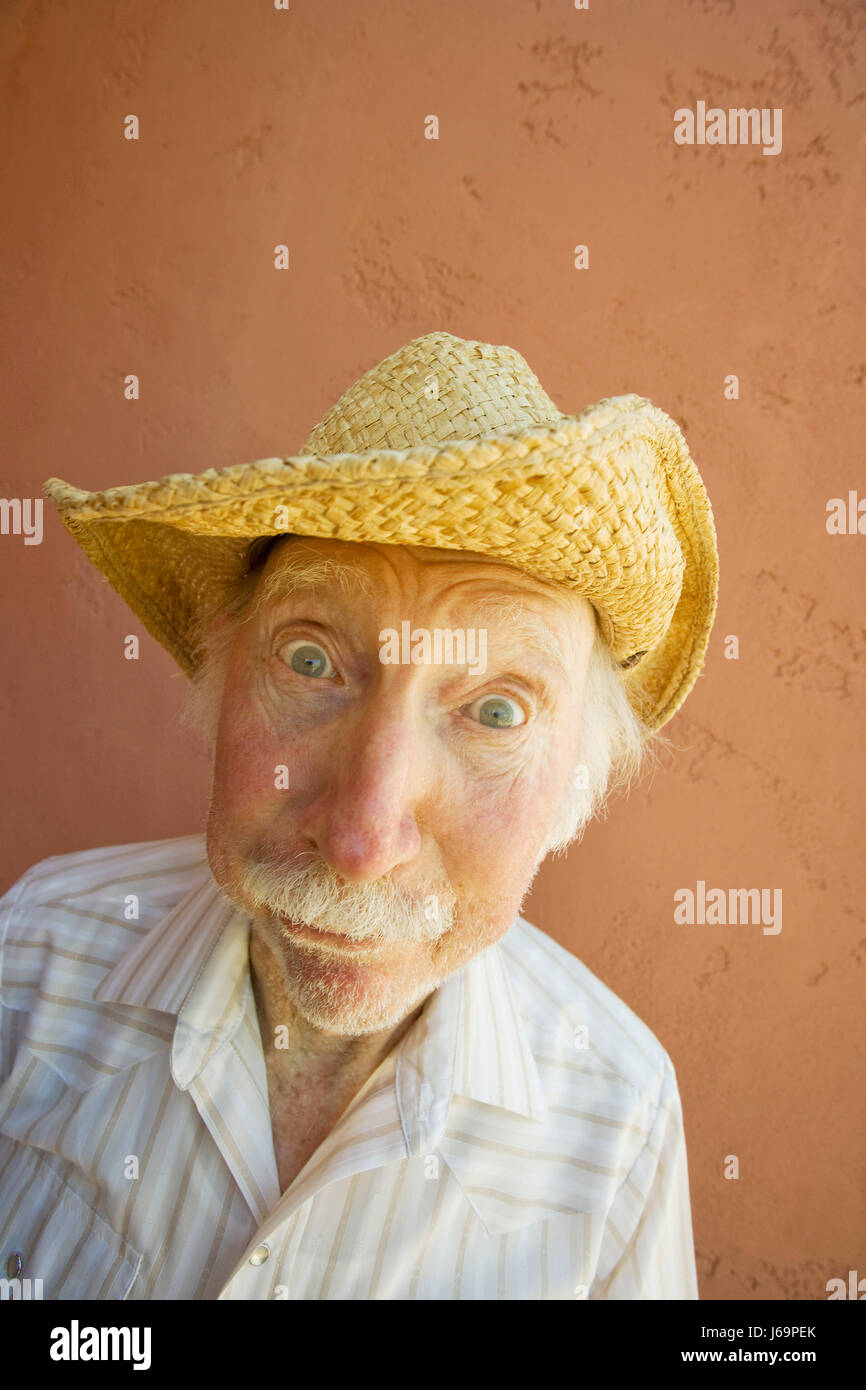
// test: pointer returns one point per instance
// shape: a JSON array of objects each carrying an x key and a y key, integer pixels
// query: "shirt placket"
[
  {"x": 413, "y": 1088},
  {"x": 268, "y": 1268}
]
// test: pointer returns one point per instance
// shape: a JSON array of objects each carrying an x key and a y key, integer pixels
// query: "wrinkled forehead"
[{"x": 292, "y": 563}]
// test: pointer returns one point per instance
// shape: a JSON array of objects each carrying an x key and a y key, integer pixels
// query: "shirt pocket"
[{"x": 65, "y": 1248}]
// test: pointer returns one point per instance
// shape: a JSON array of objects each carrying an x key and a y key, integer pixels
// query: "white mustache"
[{"x": 381, "y": 912}]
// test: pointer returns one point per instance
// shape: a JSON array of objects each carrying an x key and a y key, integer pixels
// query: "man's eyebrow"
[
  {"x": 309, "y": 573},
  {"x": 526, "y": 627}
]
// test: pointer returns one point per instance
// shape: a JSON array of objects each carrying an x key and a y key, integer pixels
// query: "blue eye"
[
  {"x": 308, "y": 659},
  {"x": 498, "y": 712}
]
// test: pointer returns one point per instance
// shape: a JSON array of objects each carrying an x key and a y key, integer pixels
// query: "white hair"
[{"x": 615, "y": 745}]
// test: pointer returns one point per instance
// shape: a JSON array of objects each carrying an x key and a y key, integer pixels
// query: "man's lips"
[{"x": 328, "y": 938}]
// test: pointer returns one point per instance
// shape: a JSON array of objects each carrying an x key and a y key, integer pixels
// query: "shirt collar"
[
  {"x": 469, "y": 1039},
  {"x": 162, "y": 968}
]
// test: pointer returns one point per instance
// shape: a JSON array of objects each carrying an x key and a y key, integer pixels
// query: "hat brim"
[{"x": 607, "y": 502}]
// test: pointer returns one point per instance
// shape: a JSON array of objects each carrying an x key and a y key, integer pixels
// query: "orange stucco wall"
[{"x": 556, "y": 125}]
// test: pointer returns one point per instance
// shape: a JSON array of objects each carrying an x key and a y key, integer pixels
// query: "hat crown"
[{"x": 436, "y": 388}]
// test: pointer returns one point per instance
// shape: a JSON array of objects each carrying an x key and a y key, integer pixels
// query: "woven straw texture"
[{"x": 454, "y": 444}]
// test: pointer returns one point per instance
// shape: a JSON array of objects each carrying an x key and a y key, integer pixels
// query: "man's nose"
[{"x": 363, "y": 819}]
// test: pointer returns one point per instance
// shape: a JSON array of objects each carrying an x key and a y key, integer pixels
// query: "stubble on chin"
[{"x": 340, "y": 995}]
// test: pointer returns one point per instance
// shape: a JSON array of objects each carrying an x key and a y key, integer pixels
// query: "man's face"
[{"x": 381, "y": 819}]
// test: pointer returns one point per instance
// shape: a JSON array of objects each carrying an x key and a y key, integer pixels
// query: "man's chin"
[{"x": 344, "y": 998}]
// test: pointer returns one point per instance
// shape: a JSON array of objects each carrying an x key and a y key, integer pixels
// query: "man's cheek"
[
  {"x": 251, "y": 779},
  {"x": 493, "y": 843}
]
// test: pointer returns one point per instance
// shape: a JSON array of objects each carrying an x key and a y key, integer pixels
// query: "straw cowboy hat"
[{"x": 455, "y": 444}]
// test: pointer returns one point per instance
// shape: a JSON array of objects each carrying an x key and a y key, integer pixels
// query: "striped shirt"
[{"x": 523, "y": 1140}]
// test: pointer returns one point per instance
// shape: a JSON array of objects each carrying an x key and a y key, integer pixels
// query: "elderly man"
[{"x": 316, "y": 1053}]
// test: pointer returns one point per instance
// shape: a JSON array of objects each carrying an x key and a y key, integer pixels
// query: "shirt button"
[
  {"x": 14, "y": 1265},
  {"x": 260, "y": 1254}
]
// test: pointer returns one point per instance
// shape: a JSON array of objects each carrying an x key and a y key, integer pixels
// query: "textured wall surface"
[{"x": 556, "y": 128}]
